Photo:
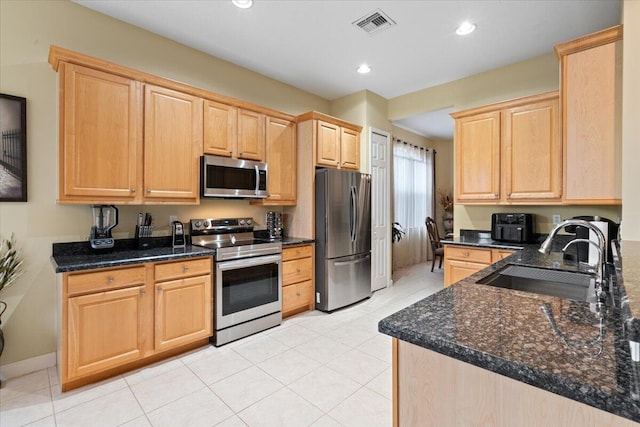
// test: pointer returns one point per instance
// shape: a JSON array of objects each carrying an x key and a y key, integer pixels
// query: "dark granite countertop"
[
  {"x": 76, "y": 256},
  {"x": 626, "y": 259},
  {"x": 293, "y": 241},
  {"x": 508, "y": 332}
]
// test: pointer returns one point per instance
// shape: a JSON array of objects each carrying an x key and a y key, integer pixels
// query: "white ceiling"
[{"x": 313, "y": 45}]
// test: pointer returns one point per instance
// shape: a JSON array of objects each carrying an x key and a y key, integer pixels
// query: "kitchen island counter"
[{"x": 557, "y": 345}]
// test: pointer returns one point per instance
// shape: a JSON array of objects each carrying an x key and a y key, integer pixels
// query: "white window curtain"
[{"x": 413, "y": 198}]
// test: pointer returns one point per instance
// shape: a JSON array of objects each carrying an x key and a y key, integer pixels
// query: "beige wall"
[
  {"x": 27, "y": 29},
  {"x": 630, "y": 229}
]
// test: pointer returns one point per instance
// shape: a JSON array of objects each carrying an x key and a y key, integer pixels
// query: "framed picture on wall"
[{"x": 13, "y": 148}]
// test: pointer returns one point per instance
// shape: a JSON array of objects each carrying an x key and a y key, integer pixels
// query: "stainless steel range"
[{"x": 248, "y": 279}]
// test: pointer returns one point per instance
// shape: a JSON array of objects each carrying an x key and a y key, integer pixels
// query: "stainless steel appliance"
[
  {"x": 105, "y": 218},
  {"x": 222, "y": 177},
  {"x": 248, "y": 277},
  {"x": 512, "y": 227},
  {"x": 343, "y": 238},
  {"x": 274, "y": 225},
  {"x": 585, "y": 252}
]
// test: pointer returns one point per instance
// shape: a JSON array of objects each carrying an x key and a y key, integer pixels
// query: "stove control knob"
[
  {"x": 249, "y": 221},
  {"x": 242, "y": 222},
  {"x": 206, "y": 223},
  {"x": 197, "y": 224}
]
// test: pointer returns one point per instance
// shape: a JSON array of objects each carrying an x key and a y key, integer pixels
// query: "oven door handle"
[{"x": 250, "y": 262}]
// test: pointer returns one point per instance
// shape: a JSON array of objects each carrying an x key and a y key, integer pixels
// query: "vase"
[{"x": 447, "y": 222}]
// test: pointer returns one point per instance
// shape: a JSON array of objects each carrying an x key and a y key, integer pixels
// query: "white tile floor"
[{"x": 315, "y": 369}]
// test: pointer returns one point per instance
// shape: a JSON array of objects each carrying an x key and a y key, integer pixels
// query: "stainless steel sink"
[{"x": 563, "y": 284}]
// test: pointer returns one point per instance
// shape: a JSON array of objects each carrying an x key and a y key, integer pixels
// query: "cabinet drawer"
[
  {"x": 183, "y": 268},
  {"x": 104, "y": 280},
  {"x": 499, "y": 254},
  {"x": 468, "y": 254},
  {"x": 297, "y": 252},
  {"x": 296, "y": 271},
  {"x": 297, "y": 296}
]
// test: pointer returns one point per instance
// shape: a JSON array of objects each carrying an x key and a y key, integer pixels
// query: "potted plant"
[
  {"x": 396, "y": 232},
  {"x": 446, "y": 201},
  {"x": 10, "y": 269}
]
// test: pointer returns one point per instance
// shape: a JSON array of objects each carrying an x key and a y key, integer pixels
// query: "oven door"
[
  {"x": 231, "y": 178},
  {"x": 247, "y": 289}
]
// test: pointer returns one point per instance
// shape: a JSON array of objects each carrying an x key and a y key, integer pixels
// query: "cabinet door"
[
  {"x": 251, "y": 139},
  {"x": 282, "y": 161},
  {"x": 105, "y": 330},
  {"x": 350, "y": 149},
  {"x": 297, "y": 297},
  {"x": 172, "y": 145},
  {"x": 477, "y": 154},
  {"x": 327, "y": 144},
  {"x": 592, "y": 130},
  {"x": 220, "y": 129},
  {"x": 457, "y": 270},
  {"x": 100, "y": 136},
  {"x": 183, "y": 311},
  {"x": 532, "y": 151}
]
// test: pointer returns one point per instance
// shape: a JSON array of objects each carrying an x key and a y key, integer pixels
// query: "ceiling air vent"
[{"x": 374, "y": 22}]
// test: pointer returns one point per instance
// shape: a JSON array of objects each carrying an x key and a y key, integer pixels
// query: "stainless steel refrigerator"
[{"x": 343, "y": 238}]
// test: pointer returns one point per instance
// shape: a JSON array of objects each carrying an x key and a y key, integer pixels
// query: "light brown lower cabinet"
[
  {"x": 463, "y": 261},
  {"x": 298, "y": 285},
  {"x": 113, "y": 320},
  {"x": 431, "y": 389}
]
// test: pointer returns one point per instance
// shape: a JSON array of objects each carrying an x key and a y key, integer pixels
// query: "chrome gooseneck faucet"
[{"x": 545, "y": 248}]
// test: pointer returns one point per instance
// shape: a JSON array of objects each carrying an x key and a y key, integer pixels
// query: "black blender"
[{"x": 105, "y": 217}]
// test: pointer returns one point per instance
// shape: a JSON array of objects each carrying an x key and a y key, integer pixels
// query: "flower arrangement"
[
  {"x": 445, "y": 200},
  {"x": 10, "y": 262},
  {"x": 396, "y": 232}
]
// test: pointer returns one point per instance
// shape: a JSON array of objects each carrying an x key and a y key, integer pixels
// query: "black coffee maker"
[{"x": 582, "y": 250}]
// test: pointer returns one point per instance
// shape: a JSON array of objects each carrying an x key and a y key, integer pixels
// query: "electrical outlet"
[
  {"x": 556, "y": 219},
  {"x": 172, "y": 218}
]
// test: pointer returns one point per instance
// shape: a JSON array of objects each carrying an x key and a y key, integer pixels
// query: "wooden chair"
[{"x": 434, "y": 240}]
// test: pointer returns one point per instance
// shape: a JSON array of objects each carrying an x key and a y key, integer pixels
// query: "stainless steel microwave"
[{"x": 221, "y": 177}]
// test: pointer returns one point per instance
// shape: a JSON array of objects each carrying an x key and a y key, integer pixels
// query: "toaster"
[{"x": 512, "y": 227}]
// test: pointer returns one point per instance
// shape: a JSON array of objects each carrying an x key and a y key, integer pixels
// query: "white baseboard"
[{"x": 23, "y": 367}]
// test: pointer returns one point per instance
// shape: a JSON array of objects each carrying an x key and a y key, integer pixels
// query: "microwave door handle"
[{"x": 255, "y": 167}]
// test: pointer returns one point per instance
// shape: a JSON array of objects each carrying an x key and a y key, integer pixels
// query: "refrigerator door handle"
[
  {"x": 355, "y": 261},
  {"x": 354, "y": 213}
]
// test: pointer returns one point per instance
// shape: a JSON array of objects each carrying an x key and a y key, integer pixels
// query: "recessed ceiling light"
[
  {"x": 465, "y": 28},
  {"x": 242, "y": 4},
  {"x": 363, "y": 69}
]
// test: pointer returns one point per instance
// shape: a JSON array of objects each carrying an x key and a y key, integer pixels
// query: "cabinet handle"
[
  {"x": 466, "y": 254},
  {"x": 495, "y": 194},
  {"x": 297, "y": 293},
  {"x": 159, "y": 289},
  {"x": 185, "y": 269},
  {"x": 142, "y": 292},
  {"x": 230, "y": 153},
  {"x": 298, "y": 270},
  {"x": 149, "y": 191},
  {"x": 133, "y": 190},
  {"x": 508, "y": 194},
  {"x": 110, "y": 279}
]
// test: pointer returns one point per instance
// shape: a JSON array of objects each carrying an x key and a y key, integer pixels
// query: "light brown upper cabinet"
[
  {"x": 172, "y": 141},
  {"x": 129, "y": 137},
  {"x": 590, "y": 87},
  {"x": 100, "y": 136},
  {"x": 281, "y": 159},
  {"x": 510, "y": 152},
  {"x": 336, "y": 143},
  {"x": 251, "y": 135},
  {"x": 220, "y": 129}
]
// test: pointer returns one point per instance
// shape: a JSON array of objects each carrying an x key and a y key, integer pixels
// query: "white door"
[{"x": 380, "y": 207}]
